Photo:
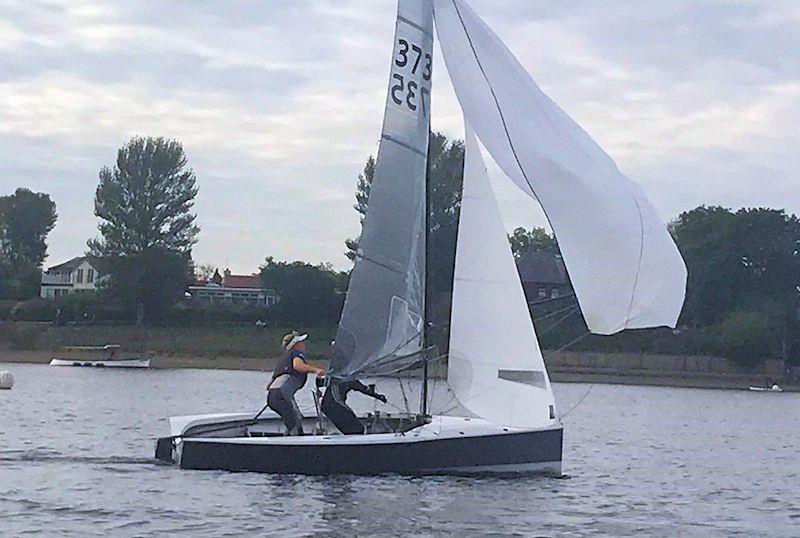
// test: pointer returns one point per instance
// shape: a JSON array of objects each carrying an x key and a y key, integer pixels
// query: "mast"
[{"x": 428, "y": 283}]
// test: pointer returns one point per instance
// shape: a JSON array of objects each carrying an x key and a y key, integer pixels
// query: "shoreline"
[{"x": 558, "y": 373}]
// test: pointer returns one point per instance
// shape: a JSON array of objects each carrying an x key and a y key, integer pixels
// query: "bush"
[
  {"x": 34, "y": 310},
  {"x": 193, "y": 313},
  {"x": 747, "y": 338},
  {"x": 6, "y": 305}
]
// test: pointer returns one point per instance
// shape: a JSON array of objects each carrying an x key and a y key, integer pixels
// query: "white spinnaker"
[
  {"x": 495, "y": 366},
  {"x": 624, "y": 266}
]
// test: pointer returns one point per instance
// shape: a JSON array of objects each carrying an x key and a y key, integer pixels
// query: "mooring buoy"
[{"x": 6, "y": 380}]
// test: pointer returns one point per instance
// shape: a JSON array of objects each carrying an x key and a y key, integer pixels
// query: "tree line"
[{"x": 743, "y": 291}]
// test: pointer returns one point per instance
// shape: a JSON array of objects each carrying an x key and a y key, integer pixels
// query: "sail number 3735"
[{"x": 405, "y": 91}]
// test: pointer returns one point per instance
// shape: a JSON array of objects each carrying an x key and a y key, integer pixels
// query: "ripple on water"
[{"x": 638, "y": 461}]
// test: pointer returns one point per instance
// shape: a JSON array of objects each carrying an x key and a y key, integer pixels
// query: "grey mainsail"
[{"x": 381, "y": 327}]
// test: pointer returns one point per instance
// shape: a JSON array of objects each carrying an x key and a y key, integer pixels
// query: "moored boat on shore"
[{"x": 88, "y": 356}]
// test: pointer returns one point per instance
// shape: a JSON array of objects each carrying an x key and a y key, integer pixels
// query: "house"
[
  {"x": 544, "y": 276},
  {"x": 78, "y": 274},
  {"x": 230, "y": 288}
]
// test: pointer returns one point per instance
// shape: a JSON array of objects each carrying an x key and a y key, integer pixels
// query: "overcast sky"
[{"x": 279, "y": 102}]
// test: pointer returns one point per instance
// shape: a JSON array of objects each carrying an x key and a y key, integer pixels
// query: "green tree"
[
  {"x": 147, "y": 226},
  {"x": 705, "y": 237},
  {"x": 743, "y": 269},
  {"x": 537, "y": 239},
  {"x": 307, "y": 294},
  {"x": 445, "y": 178},
  {"x": 363, "y": 186},
  {"x": 26, "y": 218}
]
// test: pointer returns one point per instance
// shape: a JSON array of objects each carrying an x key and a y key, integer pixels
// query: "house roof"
[
  {"x": 542, "y": 268},
  {"x": 243, "y": 281},
  {"x": 99, "y": 264}
]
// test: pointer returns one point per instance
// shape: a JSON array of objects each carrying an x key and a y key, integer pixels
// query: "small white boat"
[
  {"x": 81, "y": 356},
  {"x": 773, "y": 388}
]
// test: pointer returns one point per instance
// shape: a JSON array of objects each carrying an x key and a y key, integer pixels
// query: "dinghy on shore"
[
  {"x": 625, "y": 268},
  {"x": 773, "y": 388},
  {"x": 87, "y": 356}
]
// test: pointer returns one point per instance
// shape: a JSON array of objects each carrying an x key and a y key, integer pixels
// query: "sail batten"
[{"x": 622, "y": 262}]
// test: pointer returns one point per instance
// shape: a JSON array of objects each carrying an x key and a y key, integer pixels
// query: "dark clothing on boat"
[
  {"x": 286, "y": 407},
  {"x": 280, "y": 396},
  {"x": 334, "y": 405},
  {"x": 286, "y": 366}
]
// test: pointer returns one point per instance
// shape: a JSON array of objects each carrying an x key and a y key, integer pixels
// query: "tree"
[
  {"x": 205, "y": 272},
  {"x": 744, "y": 269},
  {"x": 537, "y": 239},
  {"x": 145, "y": 201},
  {"x": 147, "y": 226},
  {"x": 363, "y": 186},
  {"x": 445, "y": 178},
  {"x": 445, "y": 175},
  {"x": 307, "y": 294},
  {"x": 26, "y": 218}
]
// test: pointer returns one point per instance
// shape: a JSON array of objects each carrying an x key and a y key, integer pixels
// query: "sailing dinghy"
[
  {"x": 496, "y": 372},
  {"x": 87, "y": 356}
]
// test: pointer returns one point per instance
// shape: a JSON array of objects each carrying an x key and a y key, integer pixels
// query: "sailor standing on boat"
[
  {"x": 334, "y": 405},
  {"x": 289, "y": 377}
]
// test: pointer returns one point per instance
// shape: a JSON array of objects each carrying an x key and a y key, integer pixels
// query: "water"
[{"x": 76, "y": 460}]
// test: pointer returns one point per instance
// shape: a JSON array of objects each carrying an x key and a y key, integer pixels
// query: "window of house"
[
  {"x": 89, "y": 276},
  {"x": 79, "y": 276},
  {"x": 554, "y": 293}
]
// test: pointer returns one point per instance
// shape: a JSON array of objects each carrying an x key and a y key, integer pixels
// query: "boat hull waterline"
[{"x": 445, "y": 445}]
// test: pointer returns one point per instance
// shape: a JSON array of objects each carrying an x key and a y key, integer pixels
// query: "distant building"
[
  {"x": 544, "y": 276},
  {"x": 78, "y": 274},
  {"x": 230, "y": 288}
]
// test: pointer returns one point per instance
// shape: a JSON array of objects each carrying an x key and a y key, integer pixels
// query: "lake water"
[{"x": 76, "y": 449}]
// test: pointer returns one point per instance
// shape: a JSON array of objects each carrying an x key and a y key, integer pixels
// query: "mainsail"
[
  {"x": 495, "y": 366},
  {"x": 624, "y": 266},
  {"x": 381, "y": 327}
]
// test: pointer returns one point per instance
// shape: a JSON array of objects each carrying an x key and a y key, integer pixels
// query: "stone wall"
[{"x": 639, "y": 363}]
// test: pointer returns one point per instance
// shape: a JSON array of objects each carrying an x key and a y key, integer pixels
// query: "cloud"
[{"x": 279, "y": 103}]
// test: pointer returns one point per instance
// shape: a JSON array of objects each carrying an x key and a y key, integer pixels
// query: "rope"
[
  {"x": 571, "y": 409},
  {"x": 559, "y": 321},
  {"x": 555, "y": 312},
  {"x": 545, "y": 301},
  {"x": 403, "y": 391},
  {"x": 574, "y": 341}
]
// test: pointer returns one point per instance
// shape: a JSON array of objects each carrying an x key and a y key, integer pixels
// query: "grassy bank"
[{"x": 245, "y": 341}]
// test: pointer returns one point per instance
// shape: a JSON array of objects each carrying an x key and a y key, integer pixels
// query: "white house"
[
  {"x": 78, "y": 274},
  {"x": 242, "y": 289}
]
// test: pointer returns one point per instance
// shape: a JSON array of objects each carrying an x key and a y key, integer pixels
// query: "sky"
[{"x": 278, "y": 103}]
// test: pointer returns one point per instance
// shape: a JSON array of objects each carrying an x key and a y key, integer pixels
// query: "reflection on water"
[{"x": 76, "y": 458}]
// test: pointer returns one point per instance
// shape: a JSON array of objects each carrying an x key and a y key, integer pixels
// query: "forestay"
[
  {"x": 623, "y": 264},
  {"x": 380, "y": 331},
  {"x": 495, "y": 366}
]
